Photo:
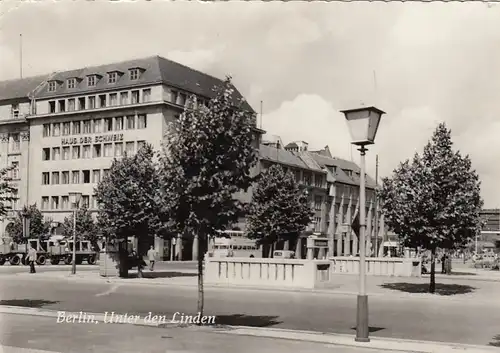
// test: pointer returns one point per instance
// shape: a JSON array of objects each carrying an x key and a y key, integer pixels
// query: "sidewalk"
[
  {"x": 447, "y": 287},
  {"x": 44, "y": 335}
]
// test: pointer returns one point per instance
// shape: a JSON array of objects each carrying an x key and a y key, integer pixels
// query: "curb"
[
  {"x": 391, "y": 344},
  {"x": 317, "y": 291}
]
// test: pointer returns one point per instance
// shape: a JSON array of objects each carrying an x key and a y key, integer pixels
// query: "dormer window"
[
  {"x": 134, "y": 74},
  {"x": 72, "y": 83},
  {"x": 112, "y": 77},
  {"x": 92, "y": 80},
  {"x": 52, "y": 86}
]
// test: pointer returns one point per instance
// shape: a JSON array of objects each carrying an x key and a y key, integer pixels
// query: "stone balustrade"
[
  {"x": 290, "y": 273},
  {"x": 379, "y": 266}
]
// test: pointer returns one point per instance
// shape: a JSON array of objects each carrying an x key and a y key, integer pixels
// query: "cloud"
[{"x": 197, "y": 59}]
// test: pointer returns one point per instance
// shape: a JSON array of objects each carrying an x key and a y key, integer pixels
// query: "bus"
[{"x": 234, "y": 243}]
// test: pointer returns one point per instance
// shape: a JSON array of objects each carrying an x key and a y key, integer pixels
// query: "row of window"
[
  {"x": 100, "y": 101},
  {"x": 307, "y": 177},
  {"x": 74, "y": 177},
  {"x": 62, "y": 202},
  {"x": 92, "y": 80},
  {"x": 95, "y": 150},
  {"x": 90, "y": 126}
]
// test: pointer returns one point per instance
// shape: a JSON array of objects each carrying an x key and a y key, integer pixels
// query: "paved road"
[
  {"x": 46, "y": 334},
  {"x": 162, "y": 265},
  {"x": 437, "y": 320}
]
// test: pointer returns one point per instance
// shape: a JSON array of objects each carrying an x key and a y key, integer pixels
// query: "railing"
[{"x": 379, "y": 266}]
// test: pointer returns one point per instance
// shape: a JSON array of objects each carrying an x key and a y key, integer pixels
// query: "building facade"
[{"x": 61, "y": 132}]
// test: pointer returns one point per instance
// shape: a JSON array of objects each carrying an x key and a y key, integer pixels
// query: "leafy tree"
[
  {"x": 434, "y": 201},
  {"x": 86, "y": 228},
  {"x": 279, "y": 209},
  {"x": 39, "y": 228},
  {"x": 6, "y": 190},
  {"x": 207, "y": 159},
  {"x": 128, "y": 198}
]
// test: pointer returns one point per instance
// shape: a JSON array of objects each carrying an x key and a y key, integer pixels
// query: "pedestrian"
[
  {"x": 32, "y": 259},
  {"x": 151, "y": 258}
]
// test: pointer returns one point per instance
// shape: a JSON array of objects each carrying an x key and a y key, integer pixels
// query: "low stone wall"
[
  {"x": 379, "y": 266},
  {"x": 108, "y": 264},
  {"x": 290, "y": 273}
]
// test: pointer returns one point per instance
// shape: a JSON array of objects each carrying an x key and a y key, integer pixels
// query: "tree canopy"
[
  {"x": 128, "y": 197},
  {"x": 39, "y": 228},
  {"x": 86, "y": 228},
  {"x": 279, "y": 209}
]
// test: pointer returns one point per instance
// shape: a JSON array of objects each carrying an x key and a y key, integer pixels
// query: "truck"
[{"x": 54, "y": 250}]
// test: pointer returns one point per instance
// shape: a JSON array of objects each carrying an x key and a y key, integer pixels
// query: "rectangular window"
[
  {"x": 92, "y": 102},
  {"x": 123, "y": 98},
  {"x": 135, "y": 97},
  {"x": 307, "y": 178},
  {"x": 181, "y": 99},
  {"x": 55, "y": 178},
  {"x": 130, "y": 122},
  {"x": 113, "y": 99},
  {"x": 318, "y": 200},
  {"x": 65, "y": 153},
  {"x": 46, "y": 130},
  {"x": 64, "y": 202},
  {"x": 87, "y": 127},
  {"x": 112, "y": 77},
  {"x": 108, "y": 150},
  {"x": 76, "y": 152},
  {"x": 119, "y": 123},
  {"x": 97, "y": 150},
  {"x": 108, "y": 124},
  {"x": 62, "y": 105},
  {"x": 86, "y": 152},
  {"x": 86, "y": 176},
  {"x": 96, "y": 176},
  {"x": 317, "y": 224},
  {"x": 134, "y": 74},
  {"x": 105, "y": 173},
  {"x": 129, "y": 148},
  {"x": 65, "y": 177},
  {"x": 56, "y": 129},
  {"x": 56, "y": 153},
  {"x": 118, "y": 149},
  {"x": 94, "y": 202},
  {"x": 81, "y": 103},
  {"x": 71, "y": 83},
  {"x": 52, "y": 107},
  {"x": 15, "y": 142},
  {"x": 52, "y": 86},
  {"x": 146, "y": 95},
  {"x": 141, "y": 121},
  {"x": 71, "y": 105},
  {"x": 91, "y": 80},
  {"x": 85, "y": 200},
  {"x": 46, "y": 154},
  {"x": 45, "y": 202},
  {"x": 97, "y": 125},
  {"x": 140, "y": 144},
  {"x": 173, "y": 96},
  {"x": 55, "y": 202},
  {"x": 318, "y": 180},
  {"x": 15, "y": 170},
  {"x": 77, "y": 127},
  {"x": 102, "y": 101},
  {"x": 14, "y": 111},
  {"x": 75, "y": 177},
  {"x": 66, "y": 129},
  {"x": 45, "y": 178}
]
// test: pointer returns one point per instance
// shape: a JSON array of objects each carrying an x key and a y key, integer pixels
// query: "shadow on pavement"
[
  {"x": 496, "y": 341},
  {"x": 441, "y": 289},
  {"x": 457, "y": 273},
  {"x": 27, "y": 303},
  {"x": 371, "y": 329},
  {"x": 246, "y": 320},
  {"x": 163, "y": 274}
]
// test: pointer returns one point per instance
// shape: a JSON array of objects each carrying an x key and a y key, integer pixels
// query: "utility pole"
[{"x": 376, "y": 206}]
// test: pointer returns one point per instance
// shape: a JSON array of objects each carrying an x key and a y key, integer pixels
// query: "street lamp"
[
  {"x": 74, "y": 198},
  {"x": 25, "y": 215},
  {"x": 363, "y": 125}
]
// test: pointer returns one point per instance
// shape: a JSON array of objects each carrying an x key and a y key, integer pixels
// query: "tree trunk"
[
  {"x": 432, "y": 286},
  {"x": 201, "y": 257},
  {"x": 271, "y": 250},
  {"x": 122, "y": 261}
]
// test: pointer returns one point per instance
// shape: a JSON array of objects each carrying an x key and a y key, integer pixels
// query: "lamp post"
[
  {"x": 25, "y": 215},
  {"x": 363, "y": 125},
  {"x": 75, "y": 200}
]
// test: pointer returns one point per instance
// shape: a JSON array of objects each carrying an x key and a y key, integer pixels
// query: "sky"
[{"x": 421, "y": 63}]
